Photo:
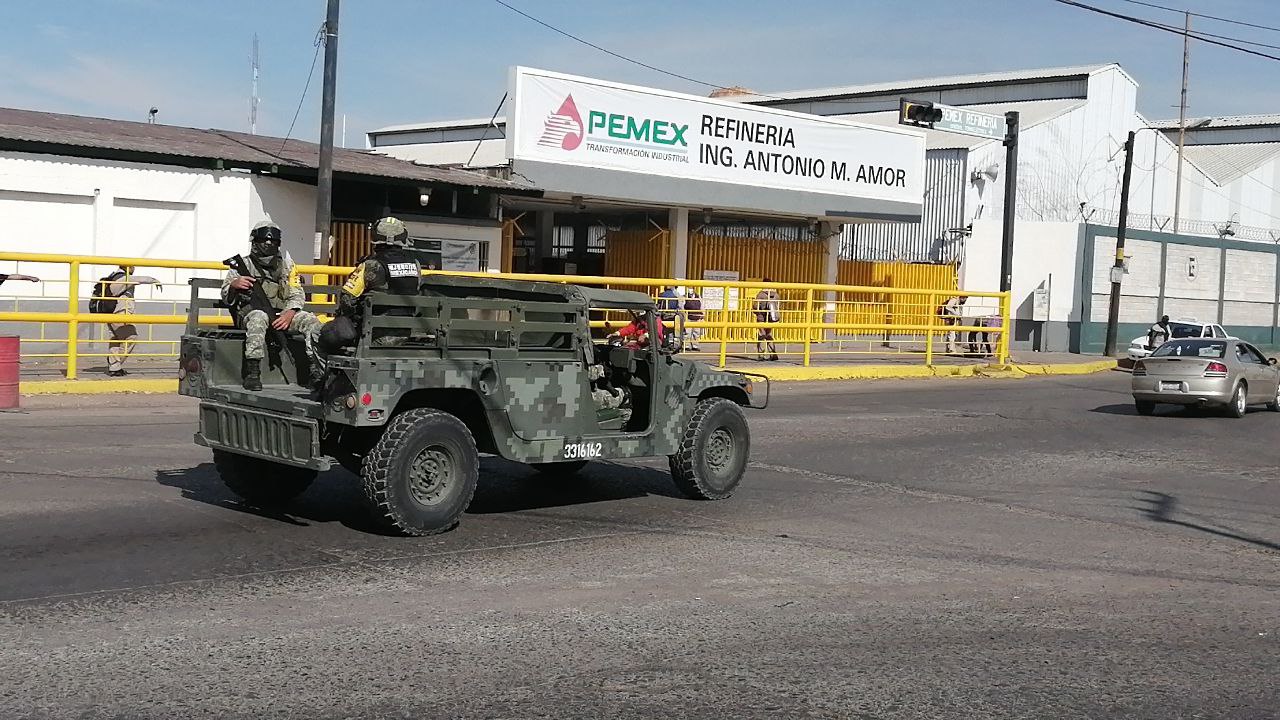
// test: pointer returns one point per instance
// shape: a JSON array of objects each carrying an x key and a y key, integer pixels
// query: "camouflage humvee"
[{"x": 468, "y": 366}]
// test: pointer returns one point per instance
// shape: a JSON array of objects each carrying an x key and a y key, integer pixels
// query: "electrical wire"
[
  {"x": 1166, "y": 28},
  {"x": 319, "y": 42},
  {"x": 1202, "y": 15}
]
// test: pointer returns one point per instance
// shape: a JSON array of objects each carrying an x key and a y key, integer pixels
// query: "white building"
[{"x": 1074, "y": 122}]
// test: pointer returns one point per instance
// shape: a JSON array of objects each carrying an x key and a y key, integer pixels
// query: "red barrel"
[{"x": 8, "y": 371}]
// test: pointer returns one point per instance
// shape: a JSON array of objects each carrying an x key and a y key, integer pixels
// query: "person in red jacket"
[{"x": 635, "y": 334}]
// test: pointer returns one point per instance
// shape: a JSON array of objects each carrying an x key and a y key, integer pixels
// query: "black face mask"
[{"x": 265, "y": 249}]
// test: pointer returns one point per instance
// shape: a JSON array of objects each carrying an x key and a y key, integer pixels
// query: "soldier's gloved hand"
[
  {"x": 284, "y": 320},
  {"x": 242, "y": 283}
]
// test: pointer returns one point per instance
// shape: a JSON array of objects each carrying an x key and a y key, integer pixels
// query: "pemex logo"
[{"x": 563, "y": 128}]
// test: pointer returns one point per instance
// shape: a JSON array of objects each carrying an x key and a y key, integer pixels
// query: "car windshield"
[
  {"x": 1183, "y": 330},
  {"x": 1213, "y": 349}
]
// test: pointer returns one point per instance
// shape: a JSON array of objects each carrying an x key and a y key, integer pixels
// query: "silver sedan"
[{"x": 1206, "y": 372}]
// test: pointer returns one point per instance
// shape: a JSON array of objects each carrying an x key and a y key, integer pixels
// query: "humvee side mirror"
[{"x": 1272, "y": 361}]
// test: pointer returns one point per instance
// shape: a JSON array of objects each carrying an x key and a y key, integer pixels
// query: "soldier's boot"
[{"x": 251, "y": 372}]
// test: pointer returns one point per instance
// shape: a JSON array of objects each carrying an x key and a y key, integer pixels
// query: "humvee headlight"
[{"x": 350, "y": 402}]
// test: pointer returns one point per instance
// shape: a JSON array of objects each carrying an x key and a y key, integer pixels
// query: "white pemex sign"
[{"x": 577, "y": 121}]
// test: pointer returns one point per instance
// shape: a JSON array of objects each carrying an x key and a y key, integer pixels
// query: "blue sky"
[{"x": 414, "y": 60}]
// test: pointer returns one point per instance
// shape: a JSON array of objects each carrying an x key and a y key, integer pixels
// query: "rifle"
[{"x": 258, "y": 301}]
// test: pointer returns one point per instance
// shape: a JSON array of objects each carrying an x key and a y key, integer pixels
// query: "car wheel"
[
  {"x": 1144, "y": 407},
  {"x": 1239, "y": 401},
  {"x": 713, "y": 452},
  {"x": 422, "y": 473},
  {"x": 1274, "y": 405}
]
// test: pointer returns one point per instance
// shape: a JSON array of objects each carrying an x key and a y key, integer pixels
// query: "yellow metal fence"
[{"x": 808, "y": 322}]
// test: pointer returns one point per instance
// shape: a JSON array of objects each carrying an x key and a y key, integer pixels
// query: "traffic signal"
[{"x": 919, "y": 113}]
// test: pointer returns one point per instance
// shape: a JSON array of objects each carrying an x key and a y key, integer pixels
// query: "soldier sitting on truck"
[
  {"x": 270, "y": 270},
  {"x": 389, "y": 269}
]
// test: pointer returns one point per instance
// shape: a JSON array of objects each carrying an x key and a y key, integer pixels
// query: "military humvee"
[{"x": 468, "y": 366}]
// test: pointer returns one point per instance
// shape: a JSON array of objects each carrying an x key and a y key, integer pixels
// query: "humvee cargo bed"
[{"x": 467, "y": 366}]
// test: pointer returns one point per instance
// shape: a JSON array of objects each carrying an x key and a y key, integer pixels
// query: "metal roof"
[
  {"x": 1031, "y": 113},
  {"x": 31, "y": 131},
  {"x": 1225, "y": 163},
  {"x": 439, "y": 125},
  {"x": 994, "y": 78},
  {"x": 1220, "y": 122}
]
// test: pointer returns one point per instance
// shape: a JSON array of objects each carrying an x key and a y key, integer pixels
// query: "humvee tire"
[
  {"x": 261, "y": 483},
  {"x": 559, "y": 469},
  {"x": 421, "y": 475},
  {"x": 713, "y": 451}
]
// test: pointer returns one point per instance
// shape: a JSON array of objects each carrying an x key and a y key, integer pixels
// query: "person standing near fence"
[
  {"x": 693, "y": 313},
  {"x": 114, "y": 294},
  {"x": 951, "y": 311},
  {"x": 767, "y": 309}
]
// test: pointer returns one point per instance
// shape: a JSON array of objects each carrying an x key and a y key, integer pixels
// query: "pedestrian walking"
[
  {"x": 1159, "y": 333},
  {"x": 767, "y": 310},
  {"x": 952, "y": 311},
  {"x": 114, "y": 294}
]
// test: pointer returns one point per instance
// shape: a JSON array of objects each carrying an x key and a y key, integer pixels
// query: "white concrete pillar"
[
  {"x": 678, "y": 227},
  {"x": 832, "y": 232}
]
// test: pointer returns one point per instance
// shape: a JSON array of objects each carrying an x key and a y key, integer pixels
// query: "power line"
[
  {"x": 606, "y": 51},
  {"x": 1202, "y": 15},
  {"x": 319, "y": 42},
  {"x": 1165, "y": 28}
]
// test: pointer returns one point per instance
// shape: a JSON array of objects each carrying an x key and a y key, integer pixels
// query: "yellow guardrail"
[{"x": 814, "y": 321}]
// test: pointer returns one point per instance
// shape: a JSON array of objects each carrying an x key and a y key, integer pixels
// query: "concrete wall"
[{"x": 74, "y": 206}]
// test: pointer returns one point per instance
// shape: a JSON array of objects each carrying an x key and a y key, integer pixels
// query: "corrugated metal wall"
[
  {"x": 927, "y": 242},
  {"x": 757, "y": 258},
  {"x": 351, "y": 242},
  {"x": 864, "y": 307},
  {"x": 637, "y": 253}
]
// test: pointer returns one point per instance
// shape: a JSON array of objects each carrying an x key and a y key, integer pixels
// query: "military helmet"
[
  {"x": 390, "y": 231},
  {"x": 265, "y": 230}
]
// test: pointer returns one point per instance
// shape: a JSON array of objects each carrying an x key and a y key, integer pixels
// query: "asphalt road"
[{"x": 940, "y": 549}]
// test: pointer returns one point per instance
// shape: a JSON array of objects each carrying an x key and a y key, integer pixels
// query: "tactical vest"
[
  {"x": 403, "y": 273},
  {"x": 274, "y": 284}
]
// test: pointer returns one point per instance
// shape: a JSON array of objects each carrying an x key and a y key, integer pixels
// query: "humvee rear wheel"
[
  {"x": 559, "y": 469},
  {"x": 713, "y": 451},
  {"x": 421, "y": 475},
  {"x": 261, "y": 483}
]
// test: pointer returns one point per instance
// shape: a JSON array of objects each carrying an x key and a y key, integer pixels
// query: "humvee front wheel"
[
  {"x": 261, "y": 483},
  {"x": 421, "y": 475},
  {"x": 713, "y": 451}
]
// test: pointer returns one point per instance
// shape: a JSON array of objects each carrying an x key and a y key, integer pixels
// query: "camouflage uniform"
[
  {"x": 283, "y": 296},
  {"x": 390, "y": 269}
]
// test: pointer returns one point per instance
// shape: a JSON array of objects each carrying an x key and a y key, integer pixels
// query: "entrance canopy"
[{"x": 579, "y": 137}]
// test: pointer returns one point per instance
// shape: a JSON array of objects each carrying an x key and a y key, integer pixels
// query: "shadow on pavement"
[
  {"x": 1161, "y": 507},
  {"x": 1188, "y": 411},
  {"x": 505, "y": 487}
]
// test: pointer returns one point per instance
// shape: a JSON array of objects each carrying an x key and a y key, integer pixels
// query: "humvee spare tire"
[
  {"x": 713, "y": 451},
  {"x": 261, "y": 483},
  {"x": 421, "y": 475}
]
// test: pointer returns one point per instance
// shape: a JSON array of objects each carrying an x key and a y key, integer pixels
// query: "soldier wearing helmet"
[
  {"x": 390, "y": 268},
  {"x": 270, "y": 269}
]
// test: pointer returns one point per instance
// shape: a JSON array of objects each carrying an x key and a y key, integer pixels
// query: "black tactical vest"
[{"x": 403, "y": 274}]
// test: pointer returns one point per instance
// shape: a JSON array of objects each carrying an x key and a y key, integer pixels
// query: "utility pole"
[
  {"x": 1010, "y": 199},
  {"x": 1117, "y": 270},
  {"x": 324, "y": 180},
  {"x": 253, "y": 97},
  {"x": 1182, "y": 118}
]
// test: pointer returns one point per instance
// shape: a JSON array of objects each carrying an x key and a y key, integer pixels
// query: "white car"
[{"x": 1178, "y": 329}]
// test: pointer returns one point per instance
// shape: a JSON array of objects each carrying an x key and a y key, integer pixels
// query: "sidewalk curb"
[
  {"x": 900, "y": 372},
  {"x": 97, "y": 387}
]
